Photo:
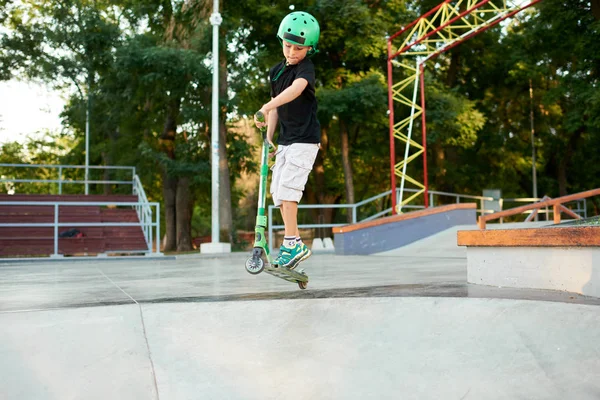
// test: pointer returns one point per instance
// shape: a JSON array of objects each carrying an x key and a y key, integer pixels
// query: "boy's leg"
[
  {"x": 289, "y": 210},
  {"x": 283, "y": 217},
  {"x": 289, "y": 227},
  {"x": 292, "y": 168},
  {"x": 290, "y": 252}
]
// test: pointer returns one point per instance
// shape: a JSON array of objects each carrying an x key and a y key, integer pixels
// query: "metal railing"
[
  {"x": 579, "y": 208},
  {"x": 60, "y": 180},
  {"x": 580, "y": 205},
  {"x": 352, "y": 207},
  {"x": 146, "y": 224},
  {"x": 143, "y": 207},
  {"x": 144, "y": 210},
  {"x": 557, "y": 204}
]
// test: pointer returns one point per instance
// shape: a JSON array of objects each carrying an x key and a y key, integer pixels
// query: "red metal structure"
[{"x": 445, "y": 26}]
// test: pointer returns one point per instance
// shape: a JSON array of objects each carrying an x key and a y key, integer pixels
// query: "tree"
[
  {"x": 553, "y": 49},
  {"x": 68, "y": 43},
  {"x": 46, "y": 149},
  {"x": 352, "y": 46}
]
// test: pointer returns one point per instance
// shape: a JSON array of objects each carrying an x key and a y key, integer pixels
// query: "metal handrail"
[
  {"x": 145, "y": 223},
  {"x": 354, "y": 209},
  {"x": 60, "y": 179},
  {"x": 143, "y": 207},
  {"x": 557, "y": 205},
  {"x": 143, "y": 210},
  {"x": 68, "y": 166},
  {"x": 581, "y": 207},
  {"x": 64, "y": 181}
]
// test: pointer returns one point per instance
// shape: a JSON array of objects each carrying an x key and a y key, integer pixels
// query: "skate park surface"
[{"x": 402, "y": 324}]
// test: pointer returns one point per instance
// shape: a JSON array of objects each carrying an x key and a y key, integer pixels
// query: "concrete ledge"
[
  {"x": 399, "y": 230},
  {"x": 565, "y": 259},
  {"x": 569, "y": 269}
]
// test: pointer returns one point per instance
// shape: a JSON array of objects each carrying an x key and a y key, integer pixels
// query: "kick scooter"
[{"x": 261, "y": 255}]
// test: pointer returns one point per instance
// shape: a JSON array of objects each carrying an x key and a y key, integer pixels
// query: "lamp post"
[
  {"x": 534, "y": 174},
  {"x": 533, "y": 171},
  {"x": 87, "y": 141},
  {"x": 215, "y": 246}
]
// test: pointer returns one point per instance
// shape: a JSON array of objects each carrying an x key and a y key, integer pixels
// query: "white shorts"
[{"x": 293, "y": 164}]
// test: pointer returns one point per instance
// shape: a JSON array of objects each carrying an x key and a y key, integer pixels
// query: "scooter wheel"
[
  {"x": 302, "y": 285},
  {"x": 255, "y": 265}
]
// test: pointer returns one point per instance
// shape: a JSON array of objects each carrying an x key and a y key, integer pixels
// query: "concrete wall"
[
  {"x": 396, "y": 234},
  {"x": 570, "y": 269}
]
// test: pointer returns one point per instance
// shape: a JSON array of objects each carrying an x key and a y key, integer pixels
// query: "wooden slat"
[
  {"x": 119, "y": 215},
  {"x": 587, "y": 236},
  {"x": 403, "y": 217},
  {"x": 66, "y": 246}
]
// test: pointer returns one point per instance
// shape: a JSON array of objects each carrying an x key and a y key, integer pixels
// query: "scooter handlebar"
[{"x": 260, "y": 116}]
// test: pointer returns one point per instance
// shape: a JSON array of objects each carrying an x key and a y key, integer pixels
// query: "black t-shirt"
[{"x": 297, "y": 119}]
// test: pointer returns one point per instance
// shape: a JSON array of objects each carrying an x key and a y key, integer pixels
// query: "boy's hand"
[
  {"x": 258, "y": 123},
  {"x": 272, "y": 149}
]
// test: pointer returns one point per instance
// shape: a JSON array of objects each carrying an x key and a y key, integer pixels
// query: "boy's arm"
[
  {"x": 286, "y": 96},
  {"x": 272, "y": 125}
]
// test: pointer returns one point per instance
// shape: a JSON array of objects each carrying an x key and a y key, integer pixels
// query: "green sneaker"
[
  {"x": 305, "y": 251},
  {"x": 289, "y": 258}
]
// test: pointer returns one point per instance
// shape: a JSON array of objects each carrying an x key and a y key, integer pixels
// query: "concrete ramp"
[
  {"x": 81, "y": 353},
  {"x": 353, "y": 348},
  {"x": 389, "y": 233},
  {"x": 444, "y": 243}
]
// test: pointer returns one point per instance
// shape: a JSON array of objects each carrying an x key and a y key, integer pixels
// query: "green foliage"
[
  {"x": 361, "y": 105},
  {"x": 47, "y": 149},
  {"x": 453, "y": 119},
  {"x": 145, "y": 61}
]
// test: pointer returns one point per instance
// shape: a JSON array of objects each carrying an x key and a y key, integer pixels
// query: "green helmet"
[{"x": 300, "y": 28}]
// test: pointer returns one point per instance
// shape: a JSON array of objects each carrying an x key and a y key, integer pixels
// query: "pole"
[
  {"x": 215, "y": 20},
  {"x": 87, "y": 140},
  {"x": 391, "y": 116},
  {"x": 424, "y": 137},
  {"x": 157, "y": 251},
  {"x": 533, "y": 172},
  {"x": 55, "y": 230}
]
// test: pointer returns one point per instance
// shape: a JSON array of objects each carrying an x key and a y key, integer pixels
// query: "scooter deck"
[{"x": 287, "y": 274}]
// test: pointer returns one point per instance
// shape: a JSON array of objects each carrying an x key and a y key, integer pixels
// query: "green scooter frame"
[{"x": 261, "y": 255}]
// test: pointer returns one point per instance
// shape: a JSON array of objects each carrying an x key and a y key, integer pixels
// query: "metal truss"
[{"x": 442, "y": 28}]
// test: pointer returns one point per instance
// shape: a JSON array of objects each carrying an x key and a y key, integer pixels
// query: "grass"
[{"x": 593, "y": 221}]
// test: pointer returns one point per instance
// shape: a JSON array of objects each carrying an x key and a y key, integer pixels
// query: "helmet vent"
[
  {"x": 305, "y": 22},
  {"x": 302, "y": 33},
  {"x": 289, "y": 29}
]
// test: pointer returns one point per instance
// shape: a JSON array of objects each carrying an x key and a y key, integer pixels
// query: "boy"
[{"x": 294, "y": 105}]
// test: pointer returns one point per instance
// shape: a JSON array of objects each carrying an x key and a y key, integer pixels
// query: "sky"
[{"x": 27, "y": 108}]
